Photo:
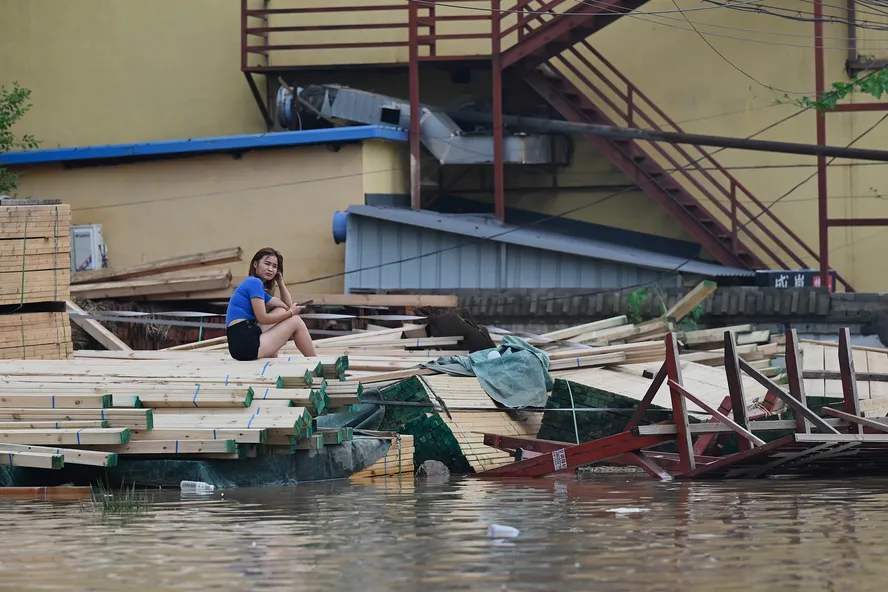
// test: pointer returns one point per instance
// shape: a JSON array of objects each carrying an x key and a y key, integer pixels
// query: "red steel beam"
[
  {"x": 413, "y": 75},
  {"x": 859, "y": 107},
  {"x": 857, "y": 222},
  {"x": 679, "y": 406},
  {"x": 822, "y": 206},
  {"x": 849, "y": 378},
  {"x": 577, "y": 456},
  {"x": 499, "y": 183}
]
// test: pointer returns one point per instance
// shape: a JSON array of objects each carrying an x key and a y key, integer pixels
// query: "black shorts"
[{"x": 243, "y": 340}]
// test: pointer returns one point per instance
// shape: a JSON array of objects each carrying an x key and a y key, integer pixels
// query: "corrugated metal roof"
[
  {"x": 488, "y": 227},
  {"x": 212, "y": 144}
]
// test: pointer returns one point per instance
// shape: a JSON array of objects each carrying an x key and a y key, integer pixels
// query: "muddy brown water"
[{"x": 605, "y": 533}]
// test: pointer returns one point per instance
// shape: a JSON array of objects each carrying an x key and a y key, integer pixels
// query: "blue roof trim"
[
  {"x": 487, "y": 227},
  {"x": 214, "y": 144}
]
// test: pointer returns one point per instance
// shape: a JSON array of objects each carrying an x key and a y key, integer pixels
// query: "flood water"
[{"x": 394, "y": 535}]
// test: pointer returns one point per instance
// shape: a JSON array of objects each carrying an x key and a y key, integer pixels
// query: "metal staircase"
[{"x": 712, "y": 205}]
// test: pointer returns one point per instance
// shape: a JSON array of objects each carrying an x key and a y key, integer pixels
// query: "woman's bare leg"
[{"x": 273, "y": 339}]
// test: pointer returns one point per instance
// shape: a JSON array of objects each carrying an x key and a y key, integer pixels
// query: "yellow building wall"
[
  {"x": 153, "y": 210},
  {"x": 116, "y": 71},
  {"x": 386, "y": 167}
]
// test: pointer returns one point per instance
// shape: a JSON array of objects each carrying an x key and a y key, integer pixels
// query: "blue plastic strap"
[
  {"x": 177, "y": 447},
  {"x": 53, "y": 401},
  {"x": 194, "y": 400},
  {"x": 226, "y": 380},
  {"x": 78, "y": 435},
  {"x": 10, "y": 459},
  {"x": 214, "y": 433},
  {"x": 264, "y": 368},
  {"x": 249, "y": 423},
  {"x": 266, "y": 393}
]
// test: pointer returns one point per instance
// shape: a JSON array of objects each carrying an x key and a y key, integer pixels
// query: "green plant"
[
  {"x": 874, "y": 84},
  {"x": 124, "y": 502},
  {"x": 691, "y": 322},
  {"x": 13, "y": 106},
  {"x": 634, "y": 301}
]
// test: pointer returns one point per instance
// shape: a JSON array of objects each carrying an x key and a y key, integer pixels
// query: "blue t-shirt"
[{"x": 240, "y": 306}]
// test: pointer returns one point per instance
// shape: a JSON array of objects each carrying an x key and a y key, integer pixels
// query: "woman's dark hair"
[{"x": 264, "y": 252}]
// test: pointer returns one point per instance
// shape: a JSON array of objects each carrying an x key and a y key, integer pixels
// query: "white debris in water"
[
  {"x": 628, "y": 510},
  {"x": 498, "y": 531}
]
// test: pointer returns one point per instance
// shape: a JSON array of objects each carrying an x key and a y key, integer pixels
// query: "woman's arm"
[
  {"x": 276, "y": 302},
  {"x": 275, "y": 316},
  {"x": 285, "y": 293}
]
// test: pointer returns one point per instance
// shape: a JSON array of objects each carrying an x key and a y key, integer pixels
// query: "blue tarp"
[{"x": 515, "y": 374}]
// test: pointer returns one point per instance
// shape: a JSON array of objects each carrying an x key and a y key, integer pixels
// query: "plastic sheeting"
[{"x": 515, "y": 374}]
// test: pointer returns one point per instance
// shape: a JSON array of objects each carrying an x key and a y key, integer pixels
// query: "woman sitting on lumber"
[{"x": 259, "y": 324}]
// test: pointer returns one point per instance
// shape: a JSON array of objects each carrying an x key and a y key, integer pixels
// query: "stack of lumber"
[
  {"x": 94, "y": 410},
  {"x": 176, "y": 277},
  {"x": 35, "y": 263},
  {"x": 821, "y": 359},
  {"x": 183, "y": 278}
]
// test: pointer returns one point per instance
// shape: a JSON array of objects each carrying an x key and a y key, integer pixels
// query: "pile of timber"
[
  {"x": 428, "y": 416},
  {"x": 178, "y": 278},
  {"x": 93, "y": 410},
  {"x": 35, "y": 263},
  {"x": 185, "y": 278}
]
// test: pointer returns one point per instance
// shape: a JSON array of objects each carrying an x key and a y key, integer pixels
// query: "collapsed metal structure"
[
  {"x": 843, "y": 444},
  {"x": 545, "y": 44}
]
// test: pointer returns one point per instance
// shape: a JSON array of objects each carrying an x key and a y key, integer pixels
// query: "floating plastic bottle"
[
  {"x": 500, "y": 531},
  {"x": 196, "y": 486}
]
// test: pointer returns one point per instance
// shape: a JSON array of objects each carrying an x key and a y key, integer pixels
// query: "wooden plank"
[
  {"x": 55, "y": 401},
  {"x": 144, "y": 287},
  {"x": 38, "y": 460},
  {"x": 241, "y": 436},
  {"x": 96, "y": 330},
  {"x": 187, "y": 446},
  {"x": 684, "y": 306},
  {"x": 73, "y": 456},
  {"x": 570, "y": 332},
  {"x": 66, "y": 437},
  {"x": 197, "y": 260},
  {"x": 53, "y": 424}
]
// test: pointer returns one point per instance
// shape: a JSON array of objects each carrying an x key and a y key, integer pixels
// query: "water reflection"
[{"x": 397, "y": 535}]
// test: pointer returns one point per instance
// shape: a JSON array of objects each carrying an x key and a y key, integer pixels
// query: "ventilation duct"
[{"x": 446, "y": 140}]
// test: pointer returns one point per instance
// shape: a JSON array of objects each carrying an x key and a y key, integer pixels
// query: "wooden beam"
[
  {"x": 95, "y": 329},
  {"x": 229, "y": 255},
  {"x": 685, "y": 305},
  {"x": 860, "y": 422}
]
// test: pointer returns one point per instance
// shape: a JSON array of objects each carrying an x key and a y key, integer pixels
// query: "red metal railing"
[
  {"x": 635, "y": 112},
  {"x": 393, "y": 30}
]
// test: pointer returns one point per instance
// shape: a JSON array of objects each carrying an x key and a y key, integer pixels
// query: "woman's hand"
[
  {"x": 295, "y": 309},
  {"x": 279, "y": 278}
]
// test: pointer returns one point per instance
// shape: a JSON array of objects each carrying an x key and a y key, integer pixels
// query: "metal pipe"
[
  {"x": 822, "y": 205},
  {"x": 555, "y": 126}
]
